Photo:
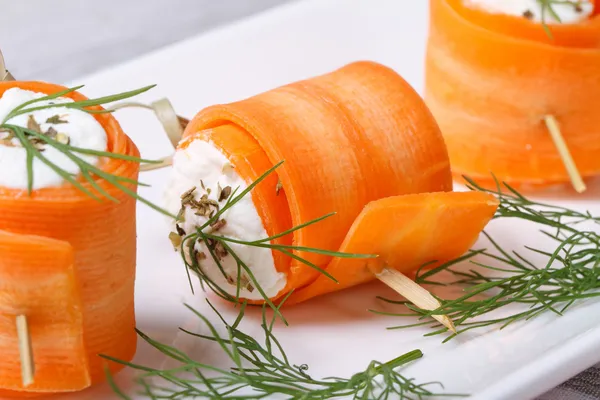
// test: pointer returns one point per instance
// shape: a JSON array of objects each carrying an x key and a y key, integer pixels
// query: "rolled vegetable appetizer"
[
  {"x": 67, "y": 260},
  {"x": 503, "y": 76},
  {"x": 353, "y": 142}
]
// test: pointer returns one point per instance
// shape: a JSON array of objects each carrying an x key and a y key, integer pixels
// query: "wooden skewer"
[
  {"x": 565, "y": 154},
  {"x": 25, "y": 351},
  {"x": 414, "y": 293}
]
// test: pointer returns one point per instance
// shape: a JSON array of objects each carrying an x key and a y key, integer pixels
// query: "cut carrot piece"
[
  {"x": 347, "y": 138},
  {"x": 490, "y": 81},
  {"x": 38, "y": 280},
  {"x": 102, "y": 235},
  {"x": 406, "y": 232}
]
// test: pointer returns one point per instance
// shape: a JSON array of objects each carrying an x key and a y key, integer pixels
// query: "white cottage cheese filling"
[
  {"x": 569, "y": 12},
  {"x": 201, "y": 164},
  {"x": 78, "y": 128}
]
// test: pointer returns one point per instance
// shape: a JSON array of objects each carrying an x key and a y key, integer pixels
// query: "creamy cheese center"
[
  {"x": 76, "y": 127},
  {"x": 205, "y": 168},
  {"x": 569, "y": 12}
]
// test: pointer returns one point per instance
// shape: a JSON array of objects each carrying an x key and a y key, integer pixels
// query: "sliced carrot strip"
[
  {"x": 490, "y": 81},
  {"x": 102, "y": 235},
  {"x": 38, "y": 280},
  {"x": 406, "y": 232},
  {"x": 349, "y": 137}
]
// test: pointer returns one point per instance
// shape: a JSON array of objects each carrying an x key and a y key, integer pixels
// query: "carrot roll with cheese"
[
  {"x": 353, "y": 142},
  {"x": 67, "y": 260},
  {"x": 496, "y": 71}
]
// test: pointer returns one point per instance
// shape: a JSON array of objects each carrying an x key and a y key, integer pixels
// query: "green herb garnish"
[
  {"x": 56, "y": 119},
  {"x": 34, "y": 141},
  {"x": 261, "y": 370},
  {"x": 570, "y": 272},
  {"x": 547, "y": 9}
]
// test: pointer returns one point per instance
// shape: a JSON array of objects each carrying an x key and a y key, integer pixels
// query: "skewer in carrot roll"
[
  {"x": 515, "y": 88},
  {"x": 67, "y": 260},
  {"x": 351, "y": 145}
]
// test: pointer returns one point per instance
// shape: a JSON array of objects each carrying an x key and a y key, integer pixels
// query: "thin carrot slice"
[
  {"x": 38, "y": 280},
  {"x": 103, "y": 238},
  {"x": 348, "y": 137},
  {"x": 406, "y": 232},
  {"x": 490, "y": 81}
]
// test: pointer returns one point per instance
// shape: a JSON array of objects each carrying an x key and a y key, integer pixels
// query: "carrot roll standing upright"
[
  {"x": 67, "y": 260},
  {"x": 497, "y": 70},
  {"x": 346, "y": 139}
]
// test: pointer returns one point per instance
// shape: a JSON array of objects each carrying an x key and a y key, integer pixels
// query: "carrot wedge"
[
  {"x": 406, "y": 232},
  {"x": 37, "y": 280}
]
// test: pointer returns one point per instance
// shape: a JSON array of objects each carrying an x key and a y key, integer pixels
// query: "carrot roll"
[
  {"x": 67, "y": 260},
  {"x": 496, "y": 69},
  {"x": 347, "y": 138}
]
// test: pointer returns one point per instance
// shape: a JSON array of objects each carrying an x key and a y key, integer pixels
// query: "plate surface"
[{"x": 335, "y": 335}]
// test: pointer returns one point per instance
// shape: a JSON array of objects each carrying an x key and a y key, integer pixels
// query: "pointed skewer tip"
[{"x": 414, "y": 293}]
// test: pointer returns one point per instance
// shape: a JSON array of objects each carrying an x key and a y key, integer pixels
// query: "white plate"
[{"x": 335, "y": 334}]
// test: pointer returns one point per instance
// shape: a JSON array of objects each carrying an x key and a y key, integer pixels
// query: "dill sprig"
[
  {"x": 568, "y": 273},
  {"x": 547, "y": 9},
  {"x": 89, "y": 172},
  {"x": 260, "y": 370},
  {"x": 189, "y": 241}
]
